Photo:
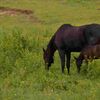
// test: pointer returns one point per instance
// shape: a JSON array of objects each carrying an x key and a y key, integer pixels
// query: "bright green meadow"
[{"x": 22, "y": 37}]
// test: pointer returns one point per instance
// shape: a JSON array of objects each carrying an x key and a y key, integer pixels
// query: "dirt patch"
[{"x": 14, "y": 12}]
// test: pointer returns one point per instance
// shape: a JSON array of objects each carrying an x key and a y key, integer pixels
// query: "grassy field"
[{"x": 22, "y": 72}]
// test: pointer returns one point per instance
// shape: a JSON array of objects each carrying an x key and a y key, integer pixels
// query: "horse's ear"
[{"x": 43, "y": 50}]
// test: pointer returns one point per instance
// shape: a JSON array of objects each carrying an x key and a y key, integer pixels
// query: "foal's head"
[
  {"x": 48, "y": 58},
  {"x": 78, "y": 63}
]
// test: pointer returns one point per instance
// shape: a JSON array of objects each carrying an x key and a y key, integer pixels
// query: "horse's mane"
[
  {"x": 51, "y": 48},
  {"x": 51, "y": 42}
]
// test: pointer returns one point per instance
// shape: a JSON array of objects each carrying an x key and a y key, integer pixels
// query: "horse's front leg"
[
  {"x": 62, "y": 58},
  {"x": 68, "y": 55}
]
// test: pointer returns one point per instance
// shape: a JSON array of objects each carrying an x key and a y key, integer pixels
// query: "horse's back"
[
  {"x": 92, "y": 34},
  {"x": 70, "y": 37}
]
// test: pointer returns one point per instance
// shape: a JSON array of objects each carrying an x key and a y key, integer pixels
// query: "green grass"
[{"x": 22, "y": 72}]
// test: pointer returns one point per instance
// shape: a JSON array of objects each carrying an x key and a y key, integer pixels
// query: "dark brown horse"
[
  {"x": 69, "y": 39},
  {"x": 88, "y": 53}
]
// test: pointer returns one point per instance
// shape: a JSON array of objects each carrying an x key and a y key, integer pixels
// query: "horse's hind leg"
[
  {"x": 62, "y": 58},
  {"x": 68, "y": 54}
]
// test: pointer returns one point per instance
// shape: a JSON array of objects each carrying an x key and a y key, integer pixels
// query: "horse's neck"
[{"x": 51, "y": 51}]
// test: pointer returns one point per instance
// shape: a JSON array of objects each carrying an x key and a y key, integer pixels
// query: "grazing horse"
[
  {"x": 69, "y": 39},
  {"x": 90, "y": 52}
]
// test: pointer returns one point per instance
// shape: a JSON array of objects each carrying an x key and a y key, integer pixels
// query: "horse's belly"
[{"x": 74, "y": 45}]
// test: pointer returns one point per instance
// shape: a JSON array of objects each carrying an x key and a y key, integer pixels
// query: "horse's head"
[
  {"x": 78, "y": 63},
  {"x": 48, "y": 58}
]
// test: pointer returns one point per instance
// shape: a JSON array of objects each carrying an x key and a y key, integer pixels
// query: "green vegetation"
[{"x": 22, "y": 72}]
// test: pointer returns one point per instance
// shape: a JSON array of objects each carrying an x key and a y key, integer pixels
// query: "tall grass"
[{"x": 22, "y": 73}]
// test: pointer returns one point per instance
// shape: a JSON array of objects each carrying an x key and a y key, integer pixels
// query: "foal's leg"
[
  {"x": 68, "y": 61},
  {"x": 62, "y": 58}
]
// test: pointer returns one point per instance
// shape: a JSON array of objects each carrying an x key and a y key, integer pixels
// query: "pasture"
[{"x": 22, "y": 37}]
